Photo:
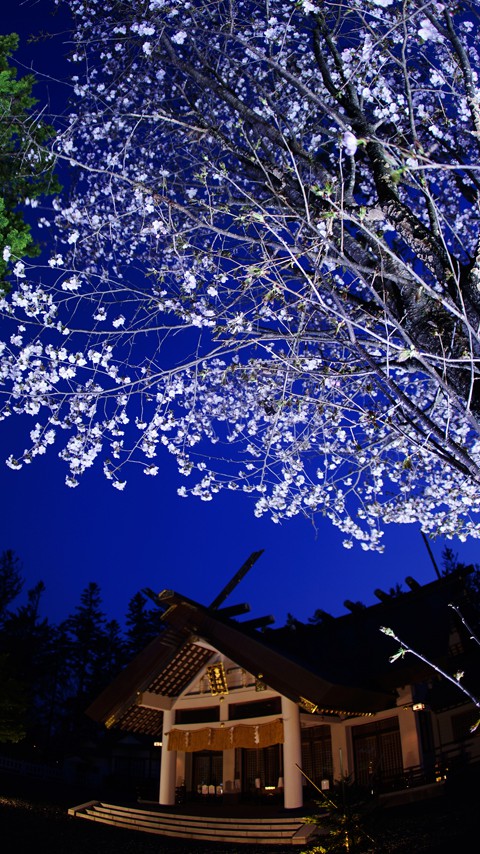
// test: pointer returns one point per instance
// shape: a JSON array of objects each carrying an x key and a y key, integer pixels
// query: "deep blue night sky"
[{"x": 147, "y": 536}]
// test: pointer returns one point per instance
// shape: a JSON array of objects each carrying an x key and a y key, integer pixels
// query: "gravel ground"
[{"x": 34, "y": 817}]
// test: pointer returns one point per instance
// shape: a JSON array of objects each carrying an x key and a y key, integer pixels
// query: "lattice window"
[
  {"x": 377, "y": 752},
  {"x": 260, "y": 766},
  {"x": 317, "y": 761}
]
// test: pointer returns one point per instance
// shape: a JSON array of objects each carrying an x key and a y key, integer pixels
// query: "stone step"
[
  {"x": 214, "y": 821},
  {"x": 252, "y": 831}
]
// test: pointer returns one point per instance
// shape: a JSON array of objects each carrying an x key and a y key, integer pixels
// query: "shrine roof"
[{"x": 339, "y": 666}]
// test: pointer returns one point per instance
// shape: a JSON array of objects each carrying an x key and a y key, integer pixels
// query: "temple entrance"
[
  {"x": 207, "y": 769},
  {"x": 377, "y": 752},
  {"x": 317, "y": 760},
  {"x": 259, "y": 769}
]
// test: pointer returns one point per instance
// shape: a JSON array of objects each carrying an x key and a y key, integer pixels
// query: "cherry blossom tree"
[{"x": 267, "y": 263}]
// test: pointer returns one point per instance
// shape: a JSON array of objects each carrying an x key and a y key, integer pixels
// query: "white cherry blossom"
[{"x": 267, "y": 264}]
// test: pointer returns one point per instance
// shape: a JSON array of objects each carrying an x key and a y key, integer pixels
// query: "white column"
[
  {"x": 168, "y": 763},
  {"x": 340, "y": 752},
  {"x": 228, "y": 756},
  {"x": 292, "y": 755},
  {"x": 180, "y": 768},
  {"x": 409, "y": 736},
  {"x": 228, "y": 771}
]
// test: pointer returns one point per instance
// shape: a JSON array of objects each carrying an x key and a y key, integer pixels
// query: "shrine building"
[{"x": 243, "y": 710}]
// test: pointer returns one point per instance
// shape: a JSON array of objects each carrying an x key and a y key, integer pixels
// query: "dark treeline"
[{"x": 49, "y": 673}]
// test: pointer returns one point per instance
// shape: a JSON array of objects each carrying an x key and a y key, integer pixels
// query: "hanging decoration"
[
  {"x": 217, "y": 679},
  {"x": 225, "y": 738}
]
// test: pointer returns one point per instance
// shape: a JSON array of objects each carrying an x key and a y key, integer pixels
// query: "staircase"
[{"x": 250, "y": 831}]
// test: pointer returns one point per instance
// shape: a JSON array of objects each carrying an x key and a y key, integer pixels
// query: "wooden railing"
[
  {"x": 447, "y": 764},
  {"x": 38, "y": 770}
]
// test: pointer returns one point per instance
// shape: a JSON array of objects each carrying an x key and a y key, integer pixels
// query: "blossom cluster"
[{"x": 266, "y": 264}]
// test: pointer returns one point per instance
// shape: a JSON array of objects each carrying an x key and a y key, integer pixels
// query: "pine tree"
[
  {"x": 11, "y": 581},
  {"x": 26, "y": 167},
  {"x": 111, "y": 656},
  {"x": 143, "y": 624},
  {"x": 25, "y": 644},
  {"x": 86, "y": 629}
]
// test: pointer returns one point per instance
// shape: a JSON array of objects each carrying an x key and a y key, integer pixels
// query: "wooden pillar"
[
  {"x": 292, "y": 755},
  {"x": 167, "y": 763}
]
